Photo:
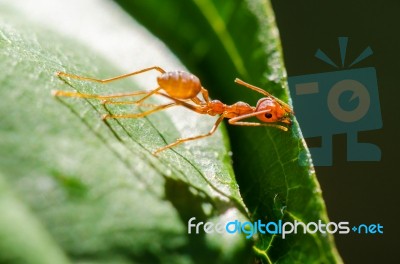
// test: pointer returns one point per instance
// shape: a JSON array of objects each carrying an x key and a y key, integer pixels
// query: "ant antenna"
[{"x": 261, "y": 91}]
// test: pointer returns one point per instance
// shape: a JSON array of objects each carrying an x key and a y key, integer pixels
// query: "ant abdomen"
[{"x": 178, "y": 84}]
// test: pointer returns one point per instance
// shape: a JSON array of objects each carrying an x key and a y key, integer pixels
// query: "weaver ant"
[{"x": 182, "y": 89}]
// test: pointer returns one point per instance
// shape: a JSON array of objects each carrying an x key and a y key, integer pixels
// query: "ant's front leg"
[{"x": 236, "y": 120}]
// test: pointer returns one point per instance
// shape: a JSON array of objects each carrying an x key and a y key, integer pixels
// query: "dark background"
[{"x": 358, "y": 192}]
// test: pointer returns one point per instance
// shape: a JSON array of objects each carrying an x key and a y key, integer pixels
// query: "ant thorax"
[{"x": 215, "y": 107}]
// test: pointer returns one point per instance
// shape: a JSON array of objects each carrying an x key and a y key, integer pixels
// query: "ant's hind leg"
[
  {"x": 143, "y": 114},
  {"x": 155, "y": 91},
  {"x": 111, "y": 102},
  {"x": 73, "y": 76},
  {"x": 96, "y": 96}
]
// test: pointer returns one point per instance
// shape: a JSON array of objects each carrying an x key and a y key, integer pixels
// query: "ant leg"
[
  {"x": 63, "y": 74},
  {"x": 258, "y": 124},
  {"x": 105, "y": 97},
  {"x": 204, "y": 92},
  {"x": 156, "y": 109},
  {"x": 206, "y": 98},
  {"x": 196, "y": 100},
  {"x": 195, "y": 108},
  {"x": 234, "y": 121},
  {"x": 181, "y": 140},
  {"x": 107, "y": 102},
  {"x": 96, "y": 96},
  {"x": 155, "y": 91}
]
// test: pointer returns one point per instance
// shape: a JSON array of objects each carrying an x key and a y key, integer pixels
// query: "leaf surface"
[
  {"x": 91, "y": 190},
  {"x": 221, "y": 40}
]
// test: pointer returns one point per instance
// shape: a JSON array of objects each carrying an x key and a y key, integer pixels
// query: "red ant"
[{"x": 183, "y": 89}]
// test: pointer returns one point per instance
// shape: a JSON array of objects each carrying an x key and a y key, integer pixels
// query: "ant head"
[{"x": 273, "y": 111}]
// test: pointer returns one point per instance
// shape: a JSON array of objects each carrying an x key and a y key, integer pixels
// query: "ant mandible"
[{"x": 183, "y": 89}]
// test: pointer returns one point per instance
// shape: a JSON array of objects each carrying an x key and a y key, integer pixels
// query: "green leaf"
[
  {"x": 17, "y": 225},
  {"x": 221, "y": 40},
  {"x": 90, "y": 191}
]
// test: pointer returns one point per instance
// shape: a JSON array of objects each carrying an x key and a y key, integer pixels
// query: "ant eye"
[{"x": 268, "y": 115}]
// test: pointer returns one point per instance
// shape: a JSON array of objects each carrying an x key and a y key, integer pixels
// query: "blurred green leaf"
[
  {"x": 94, "y": 191},
  {"x": 22, "y": 238},
  {"x": 221, "y": 40}
]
